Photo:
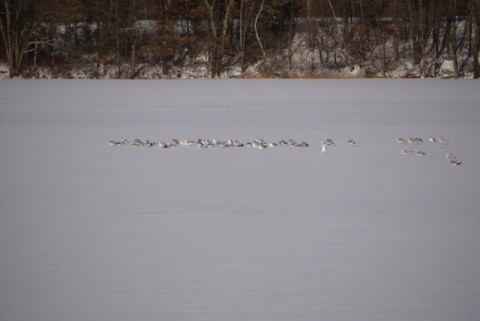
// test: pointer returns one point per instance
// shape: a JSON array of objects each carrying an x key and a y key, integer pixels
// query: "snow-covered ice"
[{"x": 94, "y": 232}]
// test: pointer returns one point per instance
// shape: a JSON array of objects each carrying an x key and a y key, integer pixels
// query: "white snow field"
[{"x": 90, "y": 232}]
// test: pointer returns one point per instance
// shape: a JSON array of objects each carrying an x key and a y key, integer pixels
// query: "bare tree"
[
  {"x": 219, "y": 16},
  {"x": 474, "y": 9},
  {"x": 256, "y": 30},
  {"x": 19, "y": 25},
  {"x": 451, "y": 30},
  {"x": 339, "y": 29}
]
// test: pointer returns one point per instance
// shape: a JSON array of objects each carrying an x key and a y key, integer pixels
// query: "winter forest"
[{"x": 143, "y": 39}]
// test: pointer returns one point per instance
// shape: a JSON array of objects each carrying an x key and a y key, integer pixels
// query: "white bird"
[
  {"x": 455, "y": 162},
  {"x": 162, "y": 144},
  {"x": 186, "y": 142},
  {"x": 443, "y": 140},
  {"x": 406, "y": 151},
  {"x": 259, "y": 143},
  {"x": 138, "y": 143},
  {"x": 351, "y": 142},
  {"x": 450, "y": 157},
  {"x": 400, "y": 140},
  {"x": 420, "y": 153},
  {"x": 432, "y": 140},
  {"x": 292, "y": 142},
  {"x": 324, "y": 147},
  {"x": 329, "y": 142},
  {"x": 415, "y": 140},
  {"x": 114, "y": 143}
]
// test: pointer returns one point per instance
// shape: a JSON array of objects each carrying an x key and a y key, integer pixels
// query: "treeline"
[{"x": 247, "y": 33}]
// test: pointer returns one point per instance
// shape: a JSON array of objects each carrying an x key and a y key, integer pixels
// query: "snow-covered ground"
[{"x": 364, "y": 233}]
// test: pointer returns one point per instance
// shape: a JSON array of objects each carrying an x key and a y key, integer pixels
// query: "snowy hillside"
[{"x": 90, "y": 231}]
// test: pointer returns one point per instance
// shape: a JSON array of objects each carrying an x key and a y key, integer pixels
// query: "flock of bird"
[
  {"x": 416, "y": 141},
  {"x": 329, "y": 142},
  {"x": 262, "y": 144},
  {"x": 207, "y": 143}
]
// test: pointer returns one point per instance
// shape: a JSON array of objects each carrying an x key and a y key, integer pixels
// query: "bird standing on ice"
[
  {"x": 450, "y": 157},
  {"x": 443, "y": 140},
  {"x": 420, "y": 153},
  {"x": 324, "y": 147},
  {"x": 351, "y": 142},
  {"x": 114, "y": 143},
  {"x": 329, "y": 142}
]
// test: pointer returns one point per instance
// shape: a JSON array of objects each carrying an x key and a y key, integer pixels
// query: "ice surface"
[{"x": 93, "y": 232}]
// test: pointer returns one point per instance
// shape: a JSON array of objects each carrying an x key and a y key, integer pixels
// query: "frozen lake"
[{"x": 94, "y": 232}]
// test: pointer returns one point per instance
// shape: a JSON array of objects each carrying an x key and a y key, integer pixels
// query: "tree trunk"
[
  {"x": 342, "y": 35},
  {"x": 132, "y": 63},
  {"x": 241, "y": 36},
  {"x": 256, "y": 31},
  {"x": 311, "y": 28},
  {"x": 422, "y": 38},
  {"x": 413, "y": 28},
  {"x": 384, "y": 57},
  {"x": 475, "y": 16},
  {"x": 218, "y": 39},
  {"x": 453, "y": 50},
  {"x": 453, "y": 36},
  {"x": 35, "y": 53},
  {"x": 7, "y": 41}
]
